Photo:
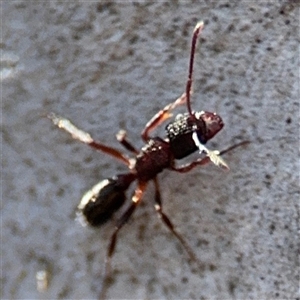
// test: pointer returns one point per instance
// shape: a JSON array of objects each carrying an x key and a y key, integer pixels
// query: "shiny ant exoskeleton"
[{"x": 185, "y": 135}]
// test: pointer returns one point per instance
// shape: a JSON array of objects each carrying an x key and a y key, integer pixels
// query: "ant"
[{"x": 188, "y": 133}]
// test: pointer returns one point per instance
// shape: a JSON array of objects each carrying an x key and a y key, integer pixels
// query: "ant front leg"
[
  {"x": 113, "y": 240},
  {"x": 205, "y": 160},
  {"x": 86, "y": 138},
  {"x": 166, "y": 220},
  {"x": 162, "y": 116}
]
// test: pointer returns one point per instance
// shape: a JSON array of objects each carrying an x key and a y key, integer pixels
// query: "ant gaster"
[{"x": 188, "y": 133}]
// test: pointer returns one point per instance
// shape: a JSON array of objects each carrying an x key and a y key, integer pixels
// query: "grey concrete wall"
[{"x": 114, "y": 65}]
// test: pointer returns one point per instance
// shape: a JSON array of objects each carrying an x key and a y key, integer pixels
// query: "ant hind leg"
[
  {"x": 113, "y": 240},
  {"x": 169, "y": 224}
]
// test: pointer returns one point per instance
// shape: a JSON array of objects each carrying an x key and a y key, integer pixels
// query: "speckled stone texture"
[{"x": 113, "y": 65}]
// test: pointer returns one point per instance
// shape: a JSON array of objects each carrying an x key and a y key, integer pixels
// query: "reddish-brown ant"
[{"x": 185, "y": 135}]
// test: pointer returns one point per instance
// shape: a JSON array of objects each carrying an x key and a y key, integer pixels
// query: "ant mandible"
[{"x": 188, "y": 133}]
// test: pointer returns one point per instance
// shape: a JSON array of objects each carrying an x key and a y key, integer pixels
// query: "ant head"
[{"x": 213, "y": 124}]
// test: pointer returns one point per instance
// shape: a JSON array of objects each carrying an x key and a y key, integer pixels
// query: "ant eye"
[{"x": 98, "y": 204}]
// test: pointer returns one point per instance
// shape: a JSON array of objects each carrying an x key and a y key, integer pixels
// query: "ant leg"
[
  {"x": 188, "y": 167},
  {"x": 162, "y": 116},
  {"x": 205, "y": 160},
  {"x": 169, "y": 224},
  {"x": 85, "y": 138},
  {"x": 122, "y": 138},
  {"x": 113, "y": 241},
  {"x": 213, "y": 155}
]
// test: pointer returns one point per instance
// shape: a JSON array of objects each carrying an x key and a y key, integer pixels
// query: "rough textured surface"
[{"x": 109, "y": 66}]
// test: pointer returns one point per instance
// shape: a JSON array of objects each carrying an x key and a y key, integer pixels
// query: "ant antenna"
[{"x": 197, "y": 31}]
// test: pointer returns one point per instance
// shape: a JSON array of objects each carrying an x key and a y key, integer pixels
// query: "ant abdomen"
[{"x": 103, "y": 200}]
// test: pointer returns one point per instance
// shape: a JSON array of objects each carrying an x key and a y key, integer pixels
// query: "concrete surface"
[{"x": 114, "y": 65}]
